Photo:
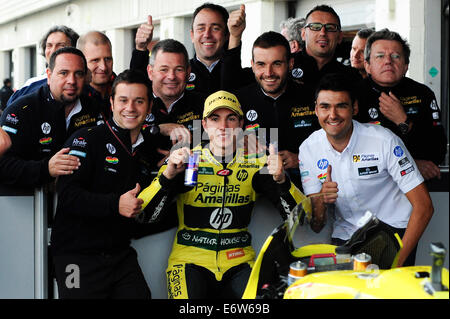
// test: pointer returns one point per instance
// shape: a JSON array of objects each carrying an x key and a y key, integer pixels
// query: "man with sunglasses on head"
[{"x": 322, "y": 34}]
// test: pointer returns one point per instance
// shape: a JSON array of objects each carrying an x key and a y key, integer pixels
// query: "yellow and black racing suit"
[{"x": 214, "y": 215}]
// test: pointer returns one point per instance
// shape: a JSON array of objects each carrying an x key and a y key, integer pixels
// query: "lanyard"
[{"x": 120, "y": 141}]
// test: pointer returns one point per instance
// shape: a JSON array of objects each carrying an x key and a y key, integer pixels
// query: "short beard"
[{"x": 67, "y": 101}]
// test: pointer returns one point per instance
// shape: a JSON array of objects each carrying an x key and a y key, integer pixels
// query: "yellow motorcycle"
[{"x": 364, "y": 267}]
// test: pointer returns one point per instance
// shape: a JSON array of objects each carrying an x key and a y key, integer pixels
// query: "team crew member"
[
  {"x": 274, "y": 101},
  {"x": 94, "y": 219},
  {"x": 406, "y": 107},
  {"x": 57, "y": 37},
  {"x": 97, "y": 49},
  {"x": 212, "y": 254},
  {"x": 175, "y": 110},
  {"x": 357, "y": 51},
  {"x": 39, "y": 123},
  {"x": 322, "y": 34},
  {"x": 209, "y": 35},
  {"x": 291, "y": 29},
  {"x": 361, "y": 167}
]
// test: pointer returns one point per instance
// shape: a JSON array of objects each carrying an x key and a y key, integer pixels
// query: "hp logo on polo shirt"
[
  {"x": 322, "y": 163},
  {"x": 297, "y": 73}
]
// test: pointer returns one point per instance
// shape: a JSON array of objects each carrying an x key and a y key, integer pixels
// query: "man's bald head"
[{"x": 97, "y": 49}]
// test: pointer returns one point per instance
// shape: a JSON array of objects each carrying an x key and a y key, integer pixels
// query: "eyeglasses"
[{"x": 329, "y": 27}]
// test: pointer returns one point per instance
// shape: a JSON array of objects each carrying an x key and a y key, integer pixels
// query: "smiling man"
[
  {"x": 218, "y": 208},
  {"x": 94, "y": 219},
  {"x": 407, "y": 107},
  {"x": 277, "y": 104},
  {"x": 57, "y": 37},
  {"x": 361, "y": 167},
  {"x": 97, "y": 49},
  {"x": 210, "y": 31},
  {"x": 321, "y": 34},
  {"x": 176, "y": 111},
  {"x": 39, "y": 123}
]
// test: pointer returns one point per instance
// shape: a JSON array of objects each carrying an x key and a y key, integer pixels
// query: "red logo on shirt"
[{"x": 235, "y": 253}]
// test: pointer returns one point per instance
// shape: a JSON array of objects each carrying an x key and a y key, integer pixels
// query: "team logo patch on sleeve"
[
  {"x": 77, "y": 153},
  {"x": 12, "y": 118},
  {"x": 434, "y": 106},
  {"x": 9, "y": 129},
  {"x": 407, "y": 171},
  {"x": 398, "y": 151},
  {"x": 404, "y": 161}
]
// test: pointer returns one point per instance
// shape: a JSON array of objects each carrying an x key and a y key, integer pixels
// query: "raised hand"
[
  {"x": 275, "y": 165},
  {"x": 329, "y": 189},
  {"x": 144, "y": 35},
  {"x": 236, "y": 26},
  {"x": 176, "y": 162}
]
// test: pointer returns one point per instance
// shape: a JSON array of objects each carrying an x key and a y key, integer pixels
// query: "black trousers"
[
  {"x": 410, "y": 261},
  {"x": 100, "y": 276}
]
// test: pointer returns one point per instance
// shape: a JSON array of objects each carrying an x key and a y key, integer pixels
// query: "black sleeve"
[
  {"x": 283, "y": 196},
  {"x": 159, "y": 197},
  {"x": 427, "y": 137},
  {"x": 233, "y": 75},
  {"x": 139, "y": 60},
  {"x": 17, "y": 166}
]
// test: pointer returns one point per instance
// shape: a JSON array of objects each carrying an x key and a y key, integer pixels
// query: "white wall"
[{"x": 417, "y": 20}]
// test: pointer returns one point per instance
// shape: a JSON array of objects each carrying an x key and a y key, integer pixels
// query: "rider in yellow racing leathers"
[{"x": 212, "y": 254}]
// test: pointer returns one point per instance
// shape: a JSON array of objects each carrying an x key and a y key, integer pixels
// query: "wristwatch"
[{"x": 404, "y": 126}]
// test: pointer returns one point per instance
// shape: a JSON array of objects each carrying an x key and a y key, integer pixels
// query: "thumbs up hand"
[
  {"x": 236, "y": 26},
  {"x": 329, "y": 189},
  {"x": 129, "y": 205},
  {"x": 144, "y": 35},
  {"x": 275, "y": 165}
]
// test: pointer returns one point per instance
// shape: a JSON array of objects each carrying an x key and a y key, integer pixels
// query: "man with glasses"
[
  {"x": 408, "y": 108},
  {"x": 322, "y": 34}
]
